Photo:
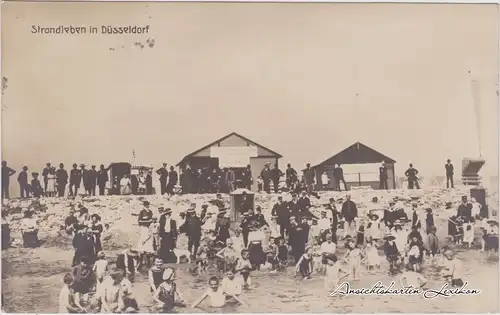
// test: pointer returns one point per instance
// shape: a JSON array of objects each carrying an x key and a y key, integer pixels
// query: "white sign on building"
[{"x": 233, "y": 156}]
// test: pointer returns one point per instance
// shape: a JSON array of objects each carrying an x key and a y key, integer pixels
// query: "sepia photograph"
[{"x": 218, "y": 157}]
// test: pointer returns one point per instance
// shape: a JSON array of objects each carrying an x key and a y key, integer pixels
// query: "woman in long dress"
[{"x": 51, "y": 183}]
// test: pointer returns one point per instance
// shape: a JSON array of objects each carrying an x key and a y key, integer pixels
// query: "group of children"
[{"x": 403, "y": 245}]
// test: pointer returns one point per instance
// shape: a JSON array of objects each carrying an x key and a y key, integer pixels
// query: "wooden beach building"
[
  {"x": 232, "y": 151},
  {"x": 360, "y": 164}
]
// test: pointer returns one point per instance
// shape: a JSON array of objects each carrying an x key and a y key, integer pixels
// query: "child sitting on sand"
[
  {"x": 165, "y": 294},
  {"x": 67, "y": 301},
  {"x": 216, "y": 295},
  {"x": 110, "y": 293},
  {"x": 305, "y": 264},
  {"x": 155, "y": 274},
  {"x": 231, "y": 284}
]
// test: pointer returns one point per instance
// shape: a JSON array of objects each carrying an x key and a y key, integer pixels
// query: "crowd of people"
[
  {"x": 335, "y": 245},
  {"x": 191, "y": 180}
]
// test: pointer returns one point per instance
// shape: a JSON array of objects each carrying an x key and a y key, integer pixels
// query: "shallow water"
[{"x": 32, "y": 278}]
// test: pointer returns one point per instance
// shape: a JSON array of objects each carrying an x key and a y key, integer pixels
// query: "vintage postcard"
[{"x": 249, "y": 158}]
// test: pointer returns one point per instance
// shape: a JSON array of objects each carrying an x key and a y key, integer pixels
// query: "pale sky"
[{"x": 305, "y": 80}]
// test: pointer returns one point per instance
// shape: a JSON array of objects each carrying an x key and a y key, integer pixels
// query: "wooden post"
[{"x": 359, "y": 179}]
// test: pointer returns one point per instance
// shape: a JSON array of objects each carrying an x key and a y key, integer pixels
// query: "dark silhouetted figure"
[
  {"x": 22, "y": 179},
  {"x": 7, "y": 172},
  {"x": 92, "y": 178},
  {"x": 276, "y": 174},
  {"x": 449, "y": 174},
  {"x": 291, "y": 177},
  {"x": 102, "y": 179},
  {"x": 383, "y": 176},
  {"x": 61, "y": 180},
  {"x": 75, "y": 178},
  {"x": 163, "y": 172},
  {"x": 309, "y": 178},
  {"x": 247, "y": 178},
  {"x": 149, "y": 183},
  {"x": 338, "y": 174},
  {"x": 36, "y": 187},
  {"x": 266, "y": 176},
  {"x": 45, "y": 174},
  {"x": 173, "y": 178},
  {"x": 411, "y": 174}
]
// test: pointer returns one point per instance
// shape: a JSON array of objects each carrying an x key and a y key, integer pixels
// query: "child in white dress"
[{"x": 372, "y": 256}]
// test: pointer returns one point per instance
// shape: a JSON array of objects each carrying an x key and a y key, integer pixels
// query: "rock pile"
[{"x": 118, "y": 213}]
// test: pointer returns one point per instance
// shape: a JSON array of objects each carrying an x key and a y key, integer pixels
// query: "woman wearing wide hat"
[{"x": 168, "y": 234}]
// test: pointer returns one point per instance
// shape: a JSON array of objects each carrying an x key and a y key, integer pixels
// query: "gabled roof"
[
  {"x": 357, "y": 153},
  {"x": 224, "y": 138}
]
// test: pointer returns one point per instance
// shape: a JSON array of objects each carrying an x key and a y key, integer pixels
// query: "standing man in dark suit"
[
  {"x": 350, "y": 213},
  {"x": 92, "y": 178},
  {"x": 7, "y": 172},
  {"x": 449, "y": 174},
  {"x": 87, "y": 180},
  {"x": 276, "y": 175},
  {"x": 45, "y": 174},
  {"x": 383, "y": 176},
  {"x": 280, "y": 210},
  {"x": 192, "y": 226},
  {"x": 309, "y": 180},
  {"x": 61, "y": 180},
  {"x": 163, "y": 172},
  {"x": 266, "y": 175},
  {"x": 102, "y": 179},
  {"x": 75, "y": 178},
  {"x": 411, "y": 174},
  {"x": 22, "y": 178},
  {"x": 338, "y": 174},
  {"x": 291, "y": 177},
  {"x": 173, "y": 178}
]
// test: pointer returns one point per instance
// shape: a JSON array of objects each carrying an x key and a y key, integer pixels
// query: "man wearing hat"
[
  {"x": 61, "y": 180},
  {"x": 282, "y": 214},
  {"x": 449, "y": 173},
  {"x": 383, "y": 176},
  {"x": 266, "y": 175},
  {"x": 349, "y": 212},
  {"x": 22, "y": 179},
  {"x": 92, "y": 179},
  {"x": 163, "y": 172},
  {"x": 464, "y": 210},
  {"x": 102, "y": 179},
  {"x": 168, "y": 234},
  {"x": 192, "y": 227},
  {"x": 245, "y": 224},
  {"x": 45, "y": 174},
  {"x": 75, "y": 178},
  {"x": 411, "y": 174},
  {"x": 36, "y": 187},
  {"x": 7, "y": 172}
]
